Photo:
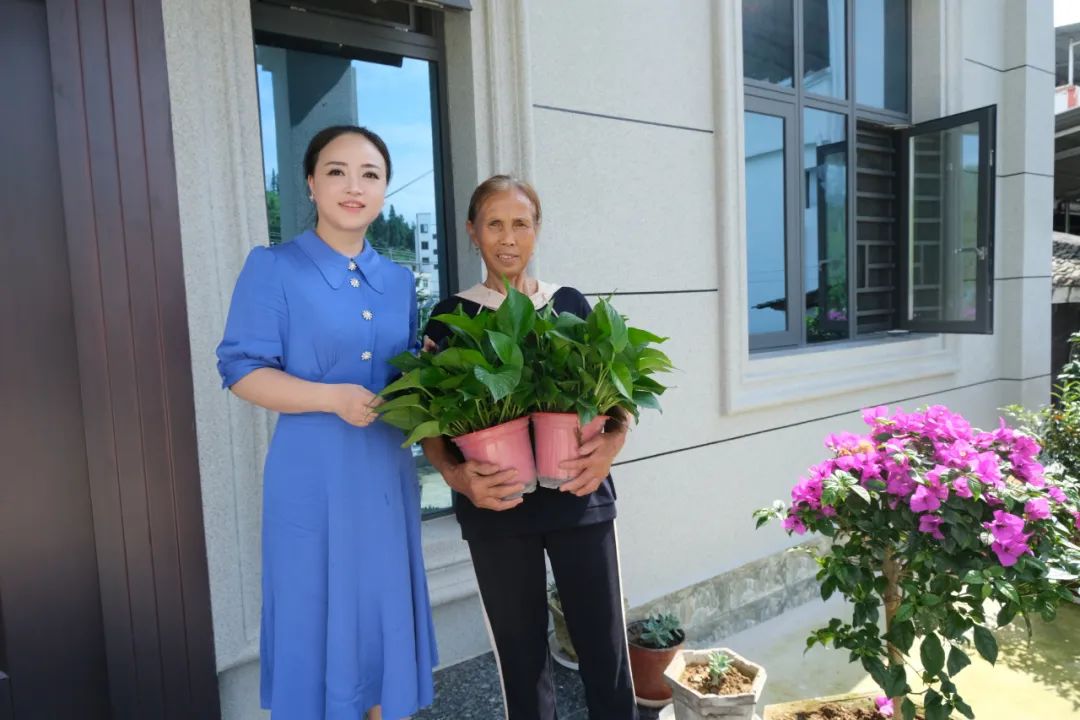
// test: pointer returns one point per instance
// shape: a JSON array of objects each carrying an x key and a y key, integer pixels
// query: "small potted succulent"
[
  {"x": 477, "y": 390},
  {"x": 587, "y": 370},
  {"x": 714, "y": 683},
  {"x": 936, "y": 524},
  {"x": 653, "y": 642},
  {"x": 562, "y": 634}
]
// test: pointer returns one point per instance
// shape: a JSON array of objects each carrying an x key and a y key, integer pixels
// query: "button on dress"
[{"x": 346, "y": 621}]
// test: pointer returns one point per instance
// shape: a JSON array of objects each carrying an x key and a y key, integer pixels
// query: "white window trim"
[{"x": 751, "y": 382}]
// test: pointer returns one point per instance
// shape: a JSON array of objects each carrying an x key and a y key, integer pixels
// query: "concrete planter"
[
  {"x": 854, "y": 700},
  {"x": 692, "y": 705}
]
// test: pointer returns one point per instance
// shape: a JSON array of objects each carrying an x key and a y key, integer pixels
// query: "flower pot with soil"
[
  {"x": 716, "y": 683},
  {"x": 507, "y": 445},
  {"x": 858, "y": 706},
  {"x": 653, "y": 642},
  {"x": 476, "y": 390},
  {"x": 557, "y": 437},
  {"x": 586, "y": 370}
]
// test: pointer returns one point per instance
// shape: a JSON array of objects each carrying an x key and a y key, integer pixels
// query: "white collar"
[{"x": 486, "y": 297}]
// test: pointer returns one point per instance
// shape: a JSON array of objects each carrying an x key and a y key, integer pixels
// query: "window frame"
[
  {"x": 796, "y": 98},
  {"x": 308, "y": 30},
  {"x": 792, "y": 203},
  {"x": 330, "y": 34},
  {"x": 983, "y": 324}
]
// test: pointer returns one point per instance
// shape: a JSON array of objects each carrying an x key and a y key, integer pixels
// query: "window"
[
  {"x": 856, "y": 222},
  {"x": 376, "y": 65}
]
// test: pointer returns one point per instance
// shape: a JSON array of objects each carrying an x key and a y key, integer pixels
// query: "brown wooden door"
[
  {"x": 104, "y": 594},
  {"x": 52, "y": 643}
]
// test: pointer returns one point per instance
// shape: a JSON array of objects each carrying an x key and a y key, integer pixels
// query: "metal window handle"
[{"x": 980, "y": 251}]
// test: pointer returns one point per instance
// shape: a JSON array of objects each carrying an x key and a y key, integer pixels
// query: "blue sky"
[{"x": 396, "y": 104}]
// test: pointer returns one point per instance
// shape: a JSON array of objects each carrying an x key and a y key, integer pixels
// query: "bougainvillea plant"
[{"x": 941, "y": 525}]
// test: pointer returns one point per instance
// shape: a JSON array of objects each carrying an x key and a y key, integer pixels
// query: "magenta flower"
[
  {"x": 792, "y": 523},
  {"x": 1009, "y": 551},
  {"x": 987, "y": 468},
  {"x": 924, "y": 500},
  {"x": 900, "y": 481},
  {"x": 962, "y": 489},
  {"x": 807, "y": 492},
  {"x": 931, "y": 524},
  {"x": 873, "y": 416},
  {"x": 1037, "y": 509},
  {"x": 1056, "y": 494},
  {"x": 884, "y": 706},
  {"x": 1076, "y": 520},
  {"x": 1005, "y": 526}
]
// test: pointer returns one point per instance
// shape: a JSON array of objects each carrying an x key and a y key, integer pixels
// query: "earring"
[
  {"x": 311, "y": 197},
  {"x": 476, "y": 249}
]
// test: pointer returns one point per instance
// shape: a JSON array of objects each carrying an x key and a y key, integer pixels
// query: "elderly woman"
[{"x": 575, "y": 525}]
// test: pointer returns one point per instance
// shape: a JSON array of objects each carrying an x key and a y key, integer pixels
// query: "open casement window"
[{"x": 947, "y": 233}]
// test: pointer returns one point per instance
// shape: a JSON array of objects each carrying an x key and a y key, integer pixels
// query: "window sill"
[
  {"x": 781, "y": 377},
  {"x": 450, "y": 572}
]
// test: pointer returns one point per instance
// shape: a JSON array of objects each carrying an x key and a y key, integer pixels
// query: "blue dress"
[{"x": 346, "y": 621}]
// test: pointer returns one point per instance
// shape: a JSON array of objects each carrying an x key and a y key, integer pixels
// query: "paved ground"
[
  {"x": 470, "y": 691},
  {"x": 1039, "y": 680}
]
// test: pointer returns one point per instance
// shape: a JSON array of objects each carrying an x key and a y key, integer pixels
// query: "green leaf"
[
  {"x": 407, "y": 381},
  {"x": 963, "y": 707},
  {"x": 465, "y": 325},
  {"x": 620, "y": 377},
  {"x": 653, "y": 360},
  {"x": 958, "y": 660},
  {"x": 411, "y": 400},
  {"x": 516, "y": 315},
  {"x": 986, "y": 644},
  {"x": 897, "y": 681},
  {"x": 904, "y": 612},
  {"x": 861, "y": 492},
  {"x": 907, "y": 709},
  {"x": 460, "y": 359},
  {"x": 509, "y": 352},
  {"x": 405, "y": 418},
  {"x": 932, "y": 654},
  {"x": 902, "y": 635},
  {"x": 422, "y": 431},
  {"x": 637, "y": 336},
  {"x": 500, "y": 383},
  {"x": 1006, "y": 614},
  {"x": 647, "y": 400}
]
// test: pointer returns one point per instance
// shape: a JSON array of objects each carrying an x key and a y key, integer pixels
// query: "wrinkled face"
[
  {"x": 505, "y": 232},
  {"x": 349, "y": 183}
]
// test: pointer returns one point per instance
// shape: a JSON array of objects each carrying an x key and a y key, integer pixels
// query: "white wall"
[{"x": 627, "y": 115}]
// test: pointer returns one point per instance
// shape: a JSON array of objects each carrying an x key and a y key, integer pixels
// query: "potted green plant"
[
  {"x": 653, "y": 642},
  {"x": 714, "y": 683},
  {"x": 932, "y": 521},
  {"x": 477, "y": 390},
  {"x": 562, "y": 633},
  {"x": 587, "y": 370}
]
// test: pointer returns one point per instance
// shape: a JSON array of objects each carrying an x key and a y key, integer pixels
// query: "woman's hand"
[
  {"x": 355, "y": 404},
  {"x": 593, "y": 463},
  {"x": 485, "y": 485}
]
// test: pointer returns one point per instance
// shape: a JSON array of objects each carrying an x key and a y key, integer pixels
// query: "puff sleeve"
[{"x": 257, "y": 322}]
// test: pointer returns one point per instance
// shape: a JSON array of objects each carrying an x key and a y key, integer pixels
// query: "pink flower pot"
[
  {"x": 506, "y": 445},
  {"x": 558, "y": 436}
]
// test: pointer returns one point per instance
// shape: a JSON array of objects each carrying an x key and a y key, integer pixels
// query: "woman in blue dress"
[{"x": 346, "y": 623}]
